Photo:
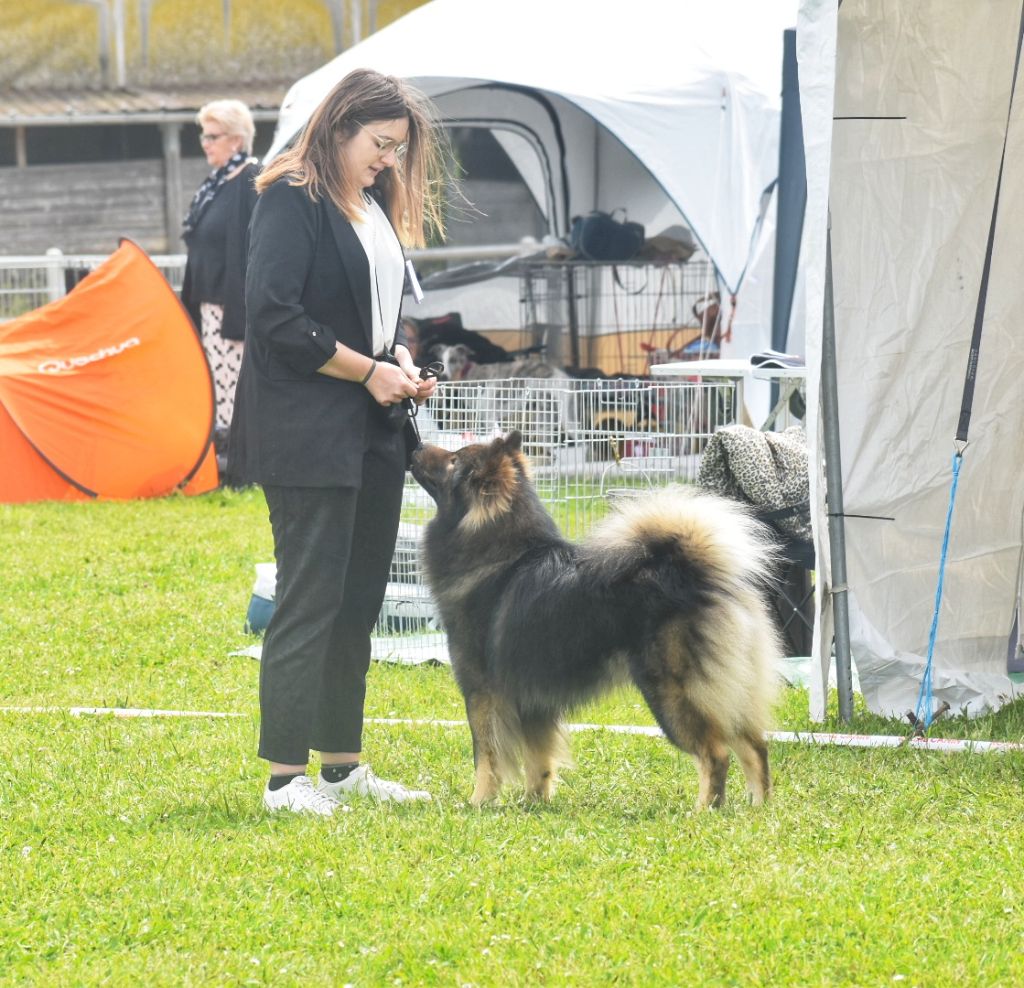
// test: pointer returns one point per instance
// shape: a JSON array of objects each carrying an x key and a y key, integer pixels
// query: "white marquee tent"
[
  {"x": 905, "y": 110},
  {"x": 580, "y": 92}
]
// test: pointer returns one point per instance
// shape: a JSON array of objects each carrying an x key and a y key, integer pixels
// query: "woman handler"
[{"x": 323, "y": 300}]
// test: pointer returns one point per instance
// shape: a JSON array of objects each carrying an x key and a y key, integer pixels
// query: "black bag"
[{"x": 601, "y": 237}]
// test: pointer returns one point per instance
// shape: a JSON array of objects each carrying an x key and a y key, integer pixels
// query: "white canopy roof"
[{"x": 691, "y": 88}]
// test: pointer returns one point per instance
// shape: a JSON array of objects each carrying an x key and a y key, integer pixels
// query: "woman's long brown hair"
[{"x": 413, "y": 189}]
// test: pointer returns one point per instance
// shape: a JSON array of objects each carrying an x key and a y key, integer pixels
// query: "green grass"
[{"x": 135, "y": 851}]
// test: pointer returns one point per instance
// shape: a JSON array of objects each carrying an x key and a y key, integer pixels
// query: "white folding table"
[{"x": 791, "y": 379}]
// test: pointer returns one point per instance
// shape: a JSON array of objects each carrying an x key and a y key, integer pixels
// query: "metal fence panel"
[
  {"x": 590, "y": 442},
  {"x": 26, "y": 283}
]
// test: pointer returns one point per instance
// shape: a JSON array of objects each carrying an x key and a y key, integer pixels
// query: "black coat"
[
  {"x": 307, "y": 287},
  {"x": 240, "y": 194}
]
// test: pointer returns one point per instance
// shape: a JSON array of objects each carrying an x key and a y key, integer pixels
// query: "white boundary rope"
[
  {"x": 115, "y": 712},
  {"x": 888, "y": 741},
  {"x": 793, "y": 737}
]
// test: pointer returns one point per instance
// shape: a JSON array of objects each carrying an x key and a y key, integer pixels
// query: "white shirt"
[{"x": 387, "y": 272}]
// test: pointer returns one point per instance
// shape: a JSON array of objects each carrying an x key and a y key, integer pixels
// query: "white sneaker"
[
  {"x": 362, "y": 782},
  {"x": 299, "y": 796}
]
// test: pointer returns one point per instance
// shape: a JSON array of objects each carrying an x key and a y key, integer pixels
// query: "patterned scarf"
[{"x": 209, "y": 188}]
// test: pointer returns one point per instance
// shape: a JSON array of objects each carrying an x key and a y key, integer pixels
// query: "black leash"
[{"x": 434, "y": 369}]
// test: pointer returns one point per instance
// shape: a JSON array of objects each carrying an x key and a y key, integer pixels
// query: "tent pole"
[
  {"x": 791, "y": 201},
  {"x": 834, "y": 492}
]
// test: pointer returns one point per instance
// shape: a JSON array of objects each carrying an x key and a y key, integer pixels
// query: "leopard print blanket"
[{"x": 765, "y": 469}]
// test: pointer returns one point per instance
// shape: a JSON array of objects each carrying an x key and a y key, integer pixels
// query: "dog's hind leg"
[
  {"x": 544, "y": 749},
  {"x": 752, "y": 751},
  {"x": 712, "y": 768},
  {"x": 690, "y": 730}
]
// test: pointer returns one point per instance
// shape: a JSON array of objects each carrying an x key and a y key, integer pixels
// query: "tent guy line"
[{"x": 798, "y": 737}]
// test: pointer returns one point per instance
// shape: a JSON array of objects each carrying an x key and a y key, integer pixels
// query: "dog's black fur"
[{"x": 665, "y": 591}]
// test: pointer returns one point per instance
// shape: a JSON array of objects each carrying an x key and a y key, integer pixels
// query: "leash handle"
[{"x": 434, "y": 369}]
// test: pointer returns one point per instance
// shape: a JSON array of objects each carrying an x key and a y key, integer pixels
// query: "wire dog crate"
[
  {"x": 618, "y": 318},
  {"x": 590, "y": 443}
]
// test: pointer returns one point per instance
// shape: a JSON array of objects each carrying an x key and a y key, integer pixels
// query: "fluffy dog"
[{"x": 666, "y": 591}]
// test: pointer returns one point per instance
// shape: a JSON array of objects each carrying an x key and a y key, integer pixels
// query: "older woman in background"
[{"x": 213, "y": 290}]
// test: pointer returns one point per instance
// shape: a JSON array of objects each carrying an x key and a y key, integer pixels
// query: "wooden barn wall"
[{"x": 86, "y": 208}]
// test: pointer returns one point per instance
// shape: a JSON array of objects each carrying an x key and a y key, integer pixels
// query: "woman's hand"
[
  {"x": 390, "y": 385},
  {"x": 424, "y": 388}
]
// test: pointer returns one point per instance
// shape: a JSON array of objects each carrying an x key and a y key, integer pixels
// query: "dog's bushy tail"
[
  {"x": 704, "y": 564},
  {"x": 722, "y": 541}
]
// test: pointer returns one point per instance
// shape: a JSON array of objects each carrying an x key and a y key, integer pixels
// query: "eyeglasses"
[
  {"x": 209, "y": 138},
  {"x": 385, "y": 145}
]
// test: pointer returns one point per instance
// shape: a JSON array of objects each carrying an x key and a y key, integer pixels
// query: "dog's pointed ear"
[{"x": 514, "y": 441}]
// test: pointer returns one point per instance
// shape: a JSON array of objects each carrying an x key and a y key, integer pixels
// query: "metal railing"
[{"x": 28, "y": 282}]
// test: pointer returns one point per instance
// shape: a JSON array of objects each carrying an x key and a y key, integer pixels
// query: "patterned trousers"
[{"x": 225, "y": 360}]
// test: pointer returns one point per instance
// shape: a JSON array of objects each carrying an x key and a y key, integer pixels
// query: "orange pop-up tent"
[{"x": 106, "y": 392}]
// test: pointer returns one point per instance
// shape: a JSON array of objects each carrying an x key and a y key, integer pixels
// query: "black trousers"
[{"x": 333, "y": 548}]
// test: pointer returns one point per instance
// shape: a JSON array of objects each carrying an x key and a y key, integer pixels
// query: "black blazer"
[
  {"x": 241, "y": 195},
  {"x": 307, "y": 287}
]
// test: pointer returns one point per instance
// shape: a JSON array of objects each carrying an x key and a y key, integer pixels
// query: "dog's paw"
[
  {"x": 758, "y": 797},
  {"x": 541, "y": 794},
  {"x": 482, "y": 796}
]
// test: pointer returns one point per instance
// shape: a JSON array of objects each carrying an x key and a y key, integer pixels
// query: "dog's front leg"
[{"x": 480, "y": 713}]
